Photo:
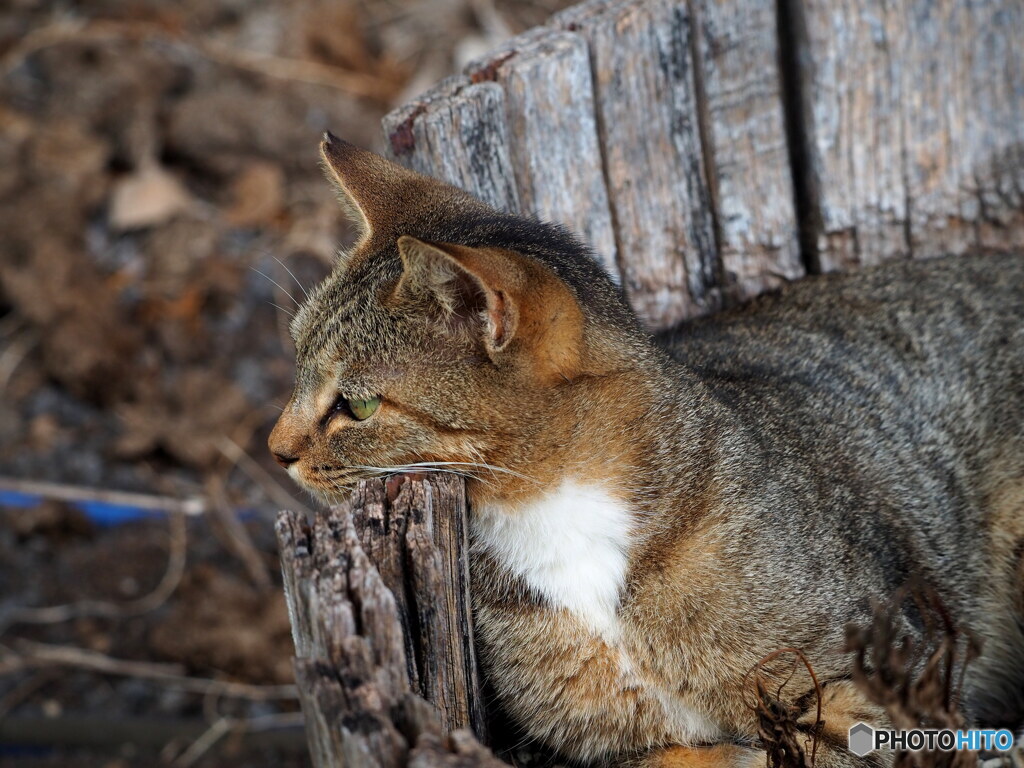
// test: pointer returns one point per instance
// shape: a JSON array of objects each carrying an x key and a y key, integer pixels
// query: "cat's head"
[{"x": 450, "y": 337}]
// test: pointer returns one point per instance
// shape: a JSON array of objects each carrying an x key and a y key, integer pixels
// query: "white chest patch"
[{"x": 570, "y": 546}]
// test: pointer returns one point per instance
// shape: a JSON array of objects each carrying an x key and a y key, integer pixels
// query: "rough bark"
[
  {"x": 556, "y": 155},
  {"x": 457, "y": 132},
  {"x": 367, "y": 663},
  {"x": 737, "y": 58},
  {"x": 655, "y": 133}
]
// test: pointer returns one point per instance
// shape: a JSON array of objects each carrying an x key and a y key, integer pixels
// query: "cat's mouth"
[{"x": 337, "y": 481}]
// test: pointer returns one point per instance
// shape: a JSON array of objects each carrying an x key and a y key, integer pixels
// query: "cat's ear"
[
  {"x": 468, "y": 285},
  {"x": 366, "y": 183}
]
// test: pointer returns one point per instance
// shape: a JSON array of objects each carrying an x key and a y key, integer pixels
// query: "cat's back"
[
  {"x": 911, "y": 364},
  {"x": 932, "y": 330}
]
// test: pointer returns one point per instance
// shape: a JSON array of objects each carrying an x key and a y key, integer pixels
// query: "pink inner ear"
[
  {"x": 496, "y": 312},
  {"x": 469, "y": 301}
]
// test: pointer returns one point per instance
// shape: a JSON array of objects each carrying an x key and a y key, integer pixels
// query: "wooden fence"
[{"x": 709, "y": 151}]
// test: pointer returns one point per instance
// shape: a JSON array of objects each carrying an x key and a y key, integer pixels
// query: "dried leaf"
[
  {"x": 258, "y": 195},
  {"x": 147, "y": 198}
]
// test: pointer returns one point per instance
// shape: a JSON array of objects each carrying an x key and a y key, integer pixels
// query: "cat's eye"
[{"x": 362, "y": 409}]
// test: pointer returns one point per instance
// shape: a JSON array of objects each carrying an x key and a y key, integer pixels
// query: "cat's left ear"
[
  {"x": 368, "y": 185},
  {"x": 473, "y": 288}
]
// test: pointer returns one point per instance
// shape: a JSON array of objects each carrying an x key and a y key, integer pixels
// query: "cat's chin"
[{"x": 329, "y": 498}]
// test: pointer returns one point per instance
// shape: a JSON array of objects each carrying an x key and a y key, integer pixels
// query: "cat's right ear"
[
  {"x": 469, "y": 297},
  {"x": 365, "y": 181}
]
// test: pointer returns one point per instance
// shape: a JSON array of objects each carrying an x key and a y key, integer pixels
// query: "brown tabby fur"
[{"x": 786, "y": 463}]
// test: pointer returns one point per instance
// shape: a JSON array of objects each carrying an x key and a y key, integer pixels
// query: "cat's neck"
[
  {"x": 646, "y": 425},
  {"x": 570, "y": 546},
  {"x": 570, "y": 527}
]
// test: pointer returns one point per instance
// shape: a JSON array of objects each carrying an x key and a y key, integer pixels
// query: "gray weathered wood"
[
  {"x": 646, "y": 102},
  {"x": 457, "y": 132},
  {"x": 350, "y": 661},
  {"x": 737, "y": 56},
  {"x": 415, "y": 534},
  {"x": 913, "y": 117},
  {"x": 350, "y": 633},
  {"x": 554, "y": 146}
]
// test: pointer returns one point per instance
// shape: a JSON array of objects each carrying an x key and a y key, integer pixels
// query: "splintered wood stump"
[{"x": 377, "y": 592}]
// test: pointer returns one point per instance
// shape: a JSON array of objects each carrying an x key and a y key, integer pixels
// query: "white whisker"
[
  {"x": 287, "y": 312},
  {"x": 414, "y": 468},
  {"x": 479, "y": 464},
  {"x": 301, "y": 286},
  {"x": 268, "y": 277}
]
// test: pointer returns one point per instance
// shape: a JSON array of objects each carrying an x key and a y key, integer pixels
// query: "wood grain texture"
[
  {"x": 554, "y": 145},
  {"x": 458, "y": 132},
  {"x": 913, "y": 113},
  {"x": 646, "y": 103},
  {"x": 351, "y": 634},
  {"x": 737, "y": 58}
]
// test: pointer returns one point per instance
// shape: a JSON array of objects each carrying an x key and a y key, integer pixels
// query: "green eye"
[{"x": 363, "y": 409}]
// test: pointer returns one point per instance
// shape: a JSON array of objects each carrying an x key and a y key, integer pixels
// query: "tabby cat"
[{"x": 652, "y": 516}]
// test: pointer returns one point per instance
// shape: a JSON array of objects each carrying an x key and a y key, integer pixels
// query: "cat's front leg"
[
  {"x": 715, "y": 756},
  {"x": 842, "y": 706}
]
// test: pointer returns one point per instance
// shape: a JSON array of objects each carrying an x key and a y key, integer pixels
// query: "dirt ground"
[{"x": 161, "y": 207}]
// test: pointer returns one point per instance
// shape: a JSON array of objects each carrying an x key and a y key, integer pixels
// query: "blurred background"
[{"x": 161, "y": 210}]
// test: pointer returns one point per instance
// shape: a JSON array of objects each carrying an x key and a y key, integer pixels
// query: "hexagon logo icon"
[{"x": 861, "y": 739}]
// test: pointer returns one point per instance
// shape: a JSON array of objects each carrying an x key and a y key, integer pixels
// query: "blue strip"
[{"x": 102, "y": 513}]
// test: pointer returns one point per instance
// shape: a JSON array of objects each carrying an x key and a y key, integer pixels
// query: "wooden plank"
[
  {"x": 457, "y": 132},
  {"x": 737, "y": 56},
  {"x": 964, "y": 125},
  {"x": 914, "y": 121},
  {"x": 646, "y": 103},
  {"x": 852, "y": 111},
  {"x": 555, "y": 152}
]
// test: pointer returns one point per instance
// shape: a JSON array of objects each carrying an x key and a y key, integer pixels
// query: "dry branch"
[
  {"x": 103, "y": 608},
  {"x": 26, "y": 654}
]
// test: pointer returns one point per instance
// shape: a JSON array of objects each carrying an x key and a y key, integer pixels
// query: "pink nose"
[{"x": 285, "y": 461}]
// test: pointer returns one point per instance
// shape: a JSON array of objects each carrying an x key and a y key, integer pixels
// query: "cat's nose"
[
  {"x": 284, "y": 460},
  {"x": 288, "y": 441}
]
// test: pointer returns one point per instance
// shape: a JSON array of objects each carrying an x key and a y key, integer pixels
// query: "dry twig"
[
  {"x": 917, "y": 681},
  {"x": 235, "y": 536},
  {"x": 225, "y": 726},
  {"x": 28, "y": 654},
  {"x": 237, "y": 455},
  {"x": 79, "y": 493},
  {"x": 783, "y": 737}
]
